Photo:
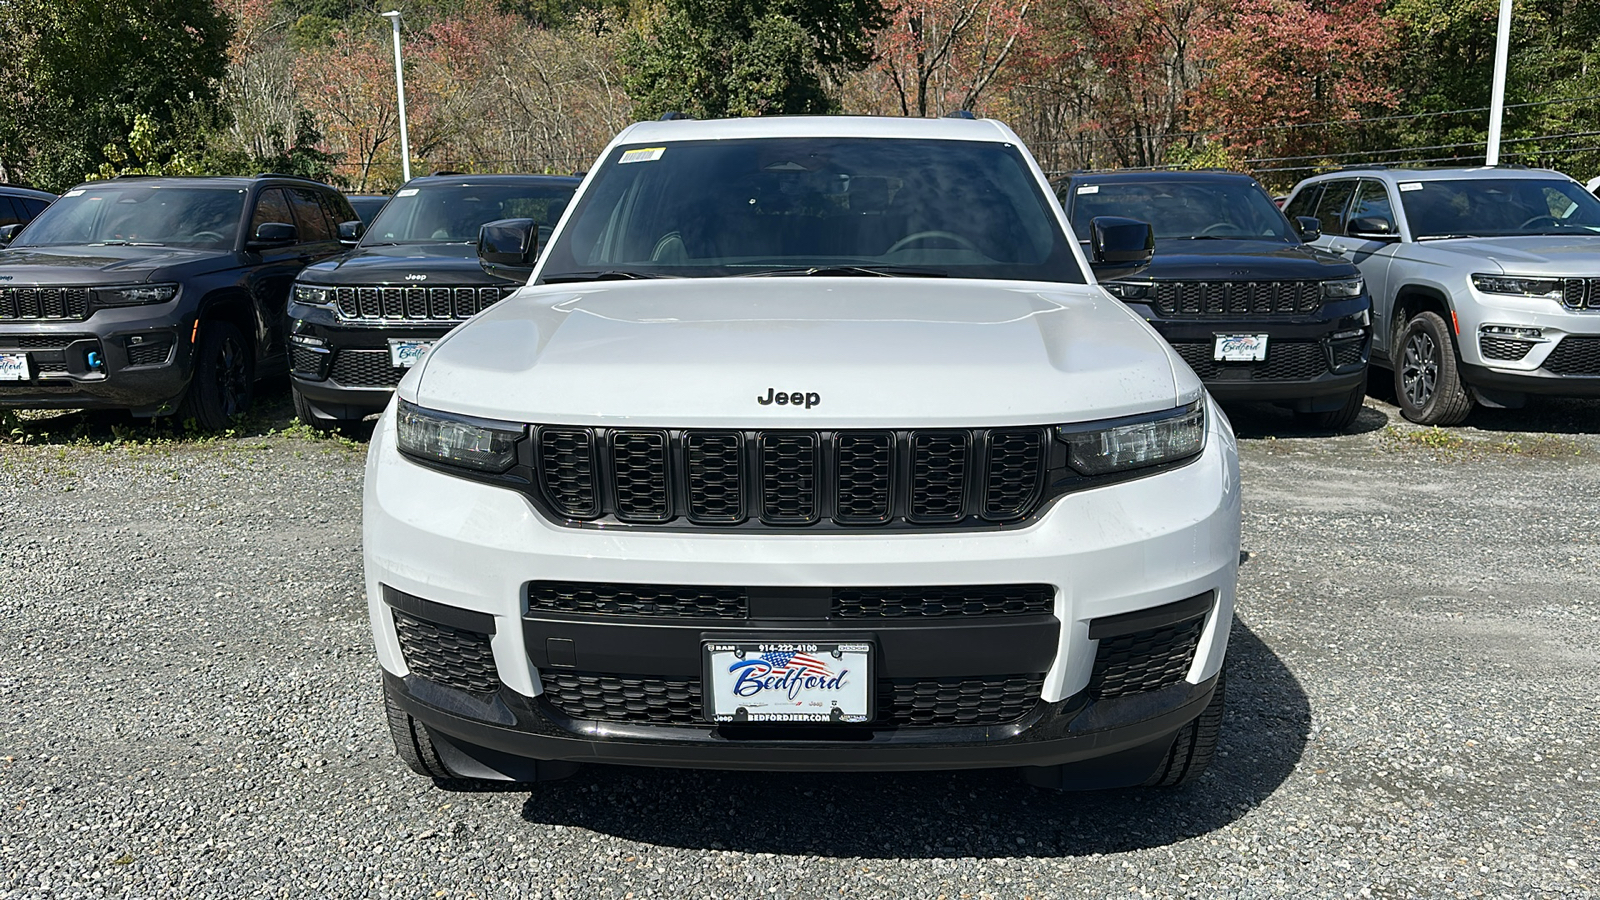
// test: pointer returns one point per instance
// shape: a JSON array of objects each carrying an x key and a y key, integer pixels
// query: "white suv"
[
  {"x": 1485, "y": 282},
  {"x": 810, "y": 445}
]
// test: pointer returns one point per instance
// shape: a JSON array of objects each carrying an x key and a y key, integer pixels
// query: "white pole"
[
  {"x": 1497, "y": 97},
  {"x": 393, "y": 16}
]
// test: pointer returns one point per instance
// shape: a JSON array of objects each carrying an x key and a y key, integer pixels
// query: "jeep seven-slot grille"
[
  {"x": 793, "y": 478},
  {"x": 678, "y": 601},
  {"x": 1286, "y": 361},
  {"x": 902, "y": 702},
  {"x": 1580, "y": 293},
  {"x": 1229, "y": 298},
  {"x": 70, "y": 303},
  {"x": 432, "y": 304},
  {"x": 1575, "y": 356}
]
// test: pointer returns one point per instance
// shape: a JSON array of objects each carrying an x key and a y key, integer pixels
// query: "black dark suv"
[
  {"x": 1256, "y": 312},
  {"x": 158, "y": 295},
  {"x": 18, "y": 207},
  {"x": 357, "y": 323}
]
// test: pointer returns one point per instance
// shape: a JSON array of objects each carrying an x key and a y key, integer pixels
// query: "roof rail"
[
  {"x": 285, "y": 175},
  {"x": 132, "y": 175},
  {"x": 674, "y": 117},
  {"x": 960, "y": 114},
  {"x": 437, "y": 172},
  {"x": 1365, "y": 166}
]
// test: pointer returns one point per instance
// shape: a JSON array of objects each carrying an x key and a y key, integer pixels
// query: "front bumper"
[
  {"x": 135, "y": 358},
  {"x": 343, "y": 368},
  {"x": 1564, "y": 359},
  {"x": 460, "y": 557}
]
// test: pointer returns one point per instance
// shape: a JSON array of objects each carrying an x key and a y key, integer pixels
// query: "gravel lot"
[{"x": 188, "y": 704}]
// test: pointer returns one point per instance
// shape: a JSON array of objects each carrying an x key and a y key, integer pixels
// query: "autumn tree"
[{"x": 942, "y": 55}]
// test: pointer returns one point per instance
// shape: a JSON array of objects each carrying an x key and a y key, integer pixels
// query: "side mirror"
[
  {"x": 8, "y": 233},
  {"x": 273, "y": 234},
  {"x": 1119, "y": 247},
  {"x": 350, "y": 232},
  {"x": 1309, "y": 227},
  {"x": 1373, "y": 227},
  {"x": 509, "y": 244}
]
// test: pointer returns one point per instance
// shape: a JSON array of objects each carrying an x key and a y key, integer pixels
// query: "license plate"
[
  {"x": 404, "y": 354},
  {"x": 14, "y": 367},
  {"x": 778, "y": 681},
  {"x": 1240, "y": 348}
]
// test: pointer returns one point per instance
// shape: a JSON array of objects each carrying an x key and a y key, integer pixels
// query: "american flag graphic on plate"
[{"x": 788, "y": 682}]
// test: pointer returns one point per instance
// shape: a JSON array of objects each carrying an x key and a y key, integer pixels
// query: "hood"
[
  {"x": 874, "y": 352},
  {"x": 1207, "y": 260},
  {"x": 1525, "y": 255},
  {"x": 420, "y": 265},
  {"x": 88, "y": 265}
]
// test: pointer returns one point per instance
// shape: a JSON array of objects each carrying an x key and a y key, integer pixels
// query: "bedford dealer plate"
[
  {"x": 1240, "y": 348},
  {"x": 801, "y": 681},
  {"x": 14, "y": 367},
  {"x": 403, "y": 354}
]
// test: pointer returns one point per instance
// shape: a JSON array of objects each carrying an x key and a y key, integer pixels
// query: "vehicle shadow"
[
  {"x": 948, "y": 814},
  {"x": 1263, "y": 420},
  {"x": 1548, "y": 415}
]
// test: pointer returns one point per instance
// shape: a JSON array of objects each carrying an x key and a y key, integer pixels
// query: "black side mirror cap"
[
  {"x": 1119, "y": 247},
  {"x": 273, "y": 234},
  {"x": 350, "y": 232},
  {"x": 1373, "y": 227},
  {"x": 509, "y": 244},
  {"x": 8, "y": 233},
  {"x": 1309, "y": 227}
]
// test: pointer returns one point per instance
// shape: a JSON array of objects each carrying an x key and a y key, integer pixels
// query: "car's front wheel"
[
  {"x": 1427, "y": 380},
  {"x": 224, "y": 378},
  {"x": 303, "y": 411},
  {"x": 1342, "y": 418},
  {"x": 1196, "y": 743}
]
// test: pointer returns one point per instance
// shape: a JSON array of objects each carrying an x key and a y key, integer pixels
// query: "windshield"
[
  {"x": 1498, "y": 207},
  {"x": 453, "y": 213},
  {"x": 1185, "y": 210},
  {"x": 868, "y": 206},
  {"x": 144, "y": 214}
]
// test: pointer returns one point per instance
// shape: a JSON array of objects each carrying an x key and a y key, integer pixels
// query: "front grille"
[
  {"x": 365, "y": 368},
  {"x": 1503, "y": 348},
  {"x": 152, "y": 350},
  {"x": 720, "y": 602},
  {"x": 1144, "y": 660},
  {"x": 1286, "y": 361},
  {"x": 70, "y": 303},
  {"x": 1232, "y": 298},
  {"x": 1580, "y": 293},
  {"x": 41, "y": 342},
  {"x": 432, "y": 304},
  {"x": 453, "y": 657},
  {"x": 1575, "y": 356},
  {"x": 902, "y": 702},
  {"x": 794, "y": 478}
]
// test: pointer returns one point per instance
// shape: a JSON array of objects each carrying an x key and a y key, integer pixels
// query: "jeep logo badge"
[
  {"x": 795, "y": 398},
  {"x": 416, "y": 278}
]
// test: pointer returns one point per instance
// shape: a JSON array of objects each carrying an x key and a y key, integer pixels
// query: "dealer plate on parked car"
[
  {"x": 758, "y": 681},
  {"x": 1240, "y": 348},
  {"x": 403, "y": 354},
  {"x": 14, "y": 367}
]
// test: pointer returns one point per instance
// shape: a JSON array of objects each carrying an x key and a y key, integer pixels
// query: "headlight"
[
  {"x": 1343, "y": 288},
  {"x": 311, "y": 295},
  {"x": 1099, "y": 448},
  {"x": 134, "y": 295},
  {"x": 1126, "y": 290},
  {"x": 1548, "y": 288},
  {"x": 480, "y": 444}
]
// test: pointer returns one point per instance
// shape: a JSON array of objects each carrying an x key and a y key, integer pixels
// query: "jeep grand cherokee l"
[
  {"x": 158, "y": 295},
  {"x": 1485, "y": 282},
  {"x": 811, "y": 445},
  {"x": 357, "y": 322},
  {"x": 1257, "y": 313}
]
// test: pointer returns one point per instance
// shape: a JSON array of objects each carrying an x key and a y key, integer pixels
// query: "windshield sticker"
[
  {"x": 72, "y": 193},
  {"x": 1410, "y": 185},
  {"x": 646, "y": 154},
  {"x": 1089, "y": 189},
  {"x": 406, "y": 193}
]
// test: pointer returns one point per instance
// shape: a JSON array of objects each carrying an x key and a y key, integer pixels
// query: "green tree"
[
  {"x": 713, "y": 58},
  {"x": 80, "y": 73}
]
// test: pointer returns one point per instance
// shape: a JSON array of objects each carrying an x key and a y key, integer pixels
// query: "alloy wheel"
[{"x": 1419, "y": 369}]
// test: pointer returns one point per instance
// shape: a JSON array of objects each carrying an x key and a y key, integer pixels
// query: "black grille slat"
[
  {"x": 1504, "y": 348},
  {"x": 860, "y": 603},
  {"x": 639, "y": 476},
  {"x": 971, "y": 601},
  {"x": 1014, "y": 473},
  {"x": 433, "y": 303},
  {"x": 1580, "y": 293},
  {"x": 443, "y": 654},
  {"x": 651, "y": 600},
  {"x": 150, "y": 351},
  {"x": 306, "y": 362},
  {"x": 938, "y": 475},
  {"x": 365, "y": 368},
  {"x": 789, "y": 479},
  {"x": 715, "y": 462},
  {"x": 1575, "y": 356},
  {"x": 566, "y": 462},
  {"x": 1144, "y": 660},
  {"x": 863, "y": 478},
  {"x": 1231, "y": 298},
  {"x": 1286, "y": 361}
]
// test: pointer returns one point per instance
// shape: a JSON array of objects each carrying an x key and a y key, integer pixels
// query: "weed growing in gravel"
[
  {"x": 1540, "y": 446},
  {"x": 271, "y": 418},
  {"x": 1430, "y": 438}
]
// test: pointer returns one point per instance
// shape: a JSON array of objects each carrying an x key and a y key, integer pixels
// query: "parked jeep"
[
  {"x": 18, "y": 207},
  {"x": 1485, "y": 282},
  {"x": 358, "y": 322},
  {"x": 1254, "y": 310},
  {"x": 158, "y": 295}
]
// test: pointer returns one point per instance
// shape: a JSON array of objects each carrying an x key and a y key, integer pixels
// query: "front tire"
[
  {"x": 303, "y": 411},
  {"x": 1427, "y": 380},
  {"x": 1341, "y": 419},
  {"x": 224, "y": 378},
  {"x": 412, "y": 743},
  {"x": 1196, "y": 743}
]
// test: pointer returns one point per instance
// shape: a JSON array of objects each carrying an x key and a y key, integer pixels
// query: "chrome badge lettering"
[
  {"x": 789, "y": 398},
  {"x": 416, "y": 278}
]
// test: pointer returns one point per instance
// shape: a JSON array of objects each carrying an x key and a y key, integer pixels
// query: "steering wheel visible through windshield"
[
  {"x": 879, "y": 206},
  {"x": 1498, "y": 207},
  {"x": 1234, "y": 209}
]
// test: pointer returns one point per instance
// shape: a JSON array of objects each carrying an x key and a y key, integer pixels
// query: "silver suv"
[{"x": 1485, "y": 282}]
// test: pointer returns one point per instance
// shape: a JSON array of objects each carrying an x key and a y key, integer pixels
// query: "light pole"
[
  {"x": 393, "y": 16},
  {"x": 1497, "y": 94}
]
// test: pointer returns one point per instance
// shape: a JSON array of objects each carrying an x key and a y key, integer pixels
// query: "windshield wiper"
[
  {"x": 1445, "y": 237},
  {"x": 607, "y": 275},
  {"x": 119, "y": 242},
  {"x": 871, "y": 271},
  {"x": 1202, "y": 237}
]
